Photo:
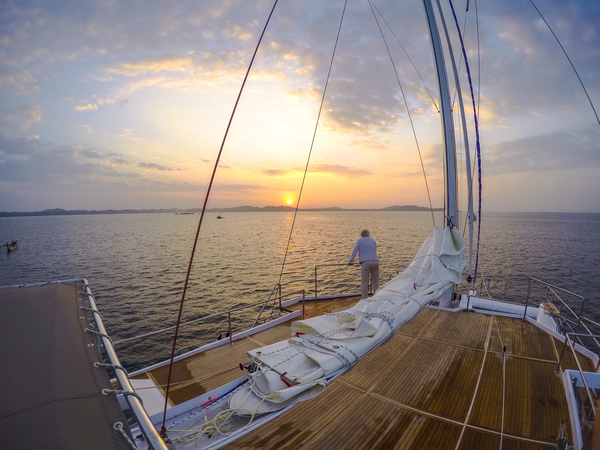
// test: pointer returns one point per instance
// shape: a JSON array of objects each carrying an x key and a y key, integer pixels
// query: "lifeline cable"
[{"x": 163, "y": 429}]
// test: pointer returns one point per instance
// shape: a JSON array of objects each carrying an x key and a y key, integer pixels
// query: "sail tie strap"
[
  {"x": 95, "y": 311},
  {"x": 87, "y": 330},
  {"x": 125, "y": 393},
  {"x": 112, "y": 366}
]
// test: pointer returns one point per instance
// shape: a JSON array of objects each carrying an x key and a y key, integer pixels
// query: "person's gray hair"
[{"x": 364, "y": 233}]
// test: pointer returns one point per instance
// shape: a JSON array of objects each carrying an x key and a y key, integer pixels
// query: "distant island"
[{"x": 75, "y": 212}]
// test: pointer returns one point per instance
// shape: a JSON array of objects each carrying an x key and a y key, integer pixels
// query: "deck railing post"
[
  {"x": 303, "y": 300},
  {"x": 527, "y": 299},
  {"x": 562, "y": 353},
  {"x": 580, "y": 315},
  {"x": 279, "y": 289},
  {"x": 316, "y": 283},
  {"x": 230, "y": 334}
]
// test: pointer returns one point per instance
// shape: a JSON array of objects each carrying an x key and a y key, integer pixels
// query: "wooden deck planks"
[
  {"x": 432, "y": 376},
  {"x": 376, "y": 365},
  {"x": 453, "y": 331},
  {"x": 475, "y": 439},
  {"x": 521, "y": 338},
  {"x": 429, "y": 365},
  {"x": 419, "y": 324},
  {"x": 539, "y": 400}
]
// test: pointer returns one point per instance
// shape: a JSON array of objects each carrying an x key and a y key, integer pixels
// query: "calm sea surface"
[{"x": 136, "y": 263}]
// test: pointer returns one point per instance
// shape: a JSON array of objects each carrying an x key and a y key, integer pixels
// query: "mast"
[
  {"x": 470, "y": 214},
  {"x": 447, "y": 123}
]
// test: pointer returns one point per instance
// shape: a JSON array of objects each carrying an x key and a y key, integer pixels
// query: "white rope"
[
  {"x": 119, "y": 426},
  {"x": 503, "y": 396}
]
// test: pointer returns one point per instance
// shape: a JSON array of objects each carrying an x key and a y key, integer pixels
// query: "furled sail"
[{"x": 323, "y": 347}]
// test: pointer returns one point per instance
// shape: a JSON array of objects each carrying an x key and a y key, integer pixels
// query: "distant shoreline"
[{"x": 81, "y": 212}]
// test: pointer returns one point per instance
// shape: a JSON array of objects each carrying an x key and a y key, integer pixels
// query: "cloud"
[
  {"x": 119, "y": 161},
  {"x": 21, "y": 83},
  {"x": 88, "y": 107},
  {"x": 556, "y": 151},
  {"x": 276, "y": 172},
  {"x": 30, "y": 160},
  {"x": 92, "y": 154},
  {"x": 336, "y": 169},
  {"x": 151, "y": 165},
  {"x": 153, "y": 65},
  {"x": 20, "y": 118}
]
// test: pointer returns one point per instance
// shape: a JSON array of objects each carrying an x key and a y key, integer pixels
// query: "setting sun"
[{"x": 289, "y": 201}]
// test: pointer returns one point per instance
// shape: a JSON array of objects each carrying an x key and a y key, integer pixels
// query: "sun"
[{"x": 289, "y": 201}]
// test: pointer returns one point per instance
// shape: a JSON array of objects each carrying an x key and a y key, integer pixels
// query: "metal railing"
[
  {"x": 200, "y": 319},
  {"x": 550, "y": 288},
  {"x": 328, "y": 265},
  {"x": 280, "y": 308},
  {"x": 144, "y": 422},
  {"x": 571, "y": 345}
]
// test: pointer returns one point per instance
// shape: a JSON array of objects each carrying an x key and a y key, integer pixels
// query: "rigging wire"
[
  {"x": 405, "y": 52},
  {"x": 477, "y": 141},
  {"x": 569, "y": 59},
  {"x": 412, "y": 125},
  {"x": 163, "y": 429},
  {"x": 313, "y": 141}
]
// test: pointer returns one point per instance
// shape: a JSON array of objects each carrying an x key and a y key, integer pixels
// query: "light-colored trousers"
[{"x": 368, "y": 268}]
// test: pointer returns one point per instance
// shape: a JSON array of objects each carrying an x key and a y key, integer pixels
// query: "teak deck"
[{"x": 443, "y": 381}]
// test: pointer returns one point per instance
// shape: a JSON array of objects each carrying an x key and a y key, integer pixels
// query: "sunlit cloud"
[
  {"x": 151, "y": 165},
  {"x": 119, "y": 161},
  {"x": 92, "y": 154},
  {"x": 336, "y": 169},
  {"x": 20, "y": 119},
  {"x": 20, "y": 84},
  {"x": 153, "y": 65},
  {"x": 276, "y": 172},
  {"x": 88, "y": 107}
]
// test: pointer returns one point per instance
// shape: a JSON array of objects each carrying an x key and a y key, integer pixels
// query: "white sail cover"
[{"x": 323, "y": 347}]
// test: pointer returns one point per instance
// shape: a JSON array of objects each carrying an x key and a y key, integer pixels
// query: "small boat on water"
[
  {"x": 219, "y": 217},
  {"x": 438, "y": 358},
  {"x": 10, "y": 246}
]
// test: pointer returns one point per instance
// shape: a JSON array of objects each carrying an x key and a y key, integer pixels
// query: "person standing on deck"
[{"x": 366, "y": 247}]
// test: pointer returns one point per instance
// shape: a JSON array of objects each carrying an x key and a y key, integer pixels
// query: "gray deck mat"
[{"x": 51, "y": 392}]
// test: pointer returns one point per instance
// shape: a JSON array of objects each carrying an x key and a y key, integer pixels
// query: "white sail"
[{"x": 323, "y": 347}]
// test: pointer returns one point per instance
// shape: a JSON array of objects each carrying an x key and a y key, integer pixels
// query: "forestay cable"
[
  {"x": 163, "y": 429},
  {"x": 412, "y": 125},
  {"x": 312, "y": 143}
]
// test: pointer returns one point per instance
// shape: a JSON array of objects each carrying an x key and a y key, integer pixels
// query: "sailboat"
[{"x": 422, "y": 364}]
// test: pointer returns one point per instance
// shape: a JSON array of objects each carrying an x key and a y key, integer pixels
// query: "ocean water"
[{"x": 136, "y": 263}]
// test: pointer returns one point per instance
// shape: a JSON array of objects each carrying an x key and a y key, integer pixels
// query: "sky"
[{"x": 123, "y": 104}]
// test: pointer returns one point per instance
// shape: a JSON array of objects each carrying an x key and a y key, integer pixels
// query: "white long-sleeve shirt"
[{"x": 366, "y": 247}]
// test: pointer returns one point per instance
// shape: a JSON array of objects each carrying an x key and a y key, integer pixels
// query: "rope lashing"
[
  {"x": 119, "y": 427},
  {"x": 87, "y": 330},
  {"x": 112, "y": 366},
  {"x": 95, "y": 311},
  {"x": 125, "y": 393}
]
